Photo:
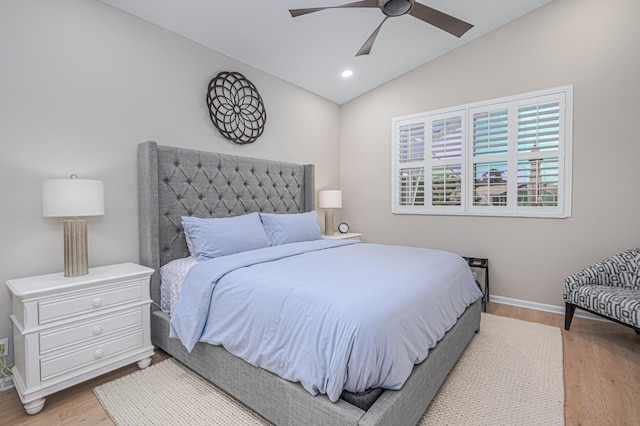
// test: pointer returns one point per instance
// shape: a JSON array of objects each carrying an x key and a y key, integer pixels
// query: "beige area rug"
[{"x": 511, "y": 374}]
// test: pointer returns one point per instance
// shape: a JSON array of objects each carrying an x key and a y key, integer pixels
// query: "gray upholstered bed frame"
[{"x": 174, "y": 182}]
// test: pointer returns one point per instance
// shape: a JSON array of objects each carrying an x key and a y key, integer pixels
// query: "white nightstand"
[
  {"x": 70, "y": 329},
  {"x": 339, "y": 236}
]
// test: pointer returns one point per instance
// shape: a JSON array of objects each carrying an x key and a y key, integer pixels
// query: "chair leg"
[{"x": 570, "y": 309}]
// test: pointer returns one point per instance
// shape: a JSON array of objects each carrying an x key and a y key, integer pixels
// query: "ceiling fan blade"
[
  {"x": 439, "y": 19},
  {"x": 364, "y": 3},
  {"x": 366, "y": 47}
]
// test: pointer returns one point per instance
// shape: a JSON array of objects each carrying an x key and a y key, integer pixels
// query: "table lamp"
[
  {"x": 330, "y": 199},
  {"x": 72, "y": 198}
]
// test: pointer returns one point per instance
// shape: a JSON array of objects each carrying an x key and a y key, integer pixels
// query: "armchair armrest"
[{"x": 619, "y": 270}]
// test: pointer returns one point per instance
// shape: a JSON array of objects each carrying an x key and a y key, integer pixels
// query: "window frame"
[{"x": 516, "y": 204}]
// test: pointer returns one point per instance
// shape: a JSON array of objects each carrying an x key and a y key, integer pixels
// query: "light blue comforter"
[{"x": 330, "y": 314}]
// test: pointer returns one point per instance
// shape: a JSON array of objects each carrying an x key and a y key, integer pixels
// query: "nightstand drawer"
[
  {"x": 85, "y": 331},
  {"x": 90, "y": 355},
  {"x": 70, "y": 305}
]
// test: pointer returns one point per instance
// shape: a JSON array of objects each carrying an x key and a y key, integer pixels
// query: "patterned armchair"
[{"x": 610, "y": 288}]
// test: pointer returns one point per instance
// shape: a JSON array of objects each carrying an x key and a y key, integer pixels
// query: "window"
[{"x": 503, "y": 157}]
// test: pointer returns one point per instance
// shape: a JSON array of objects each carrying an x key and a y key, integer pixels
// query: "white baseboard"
[{"x": 543, "y": 307}]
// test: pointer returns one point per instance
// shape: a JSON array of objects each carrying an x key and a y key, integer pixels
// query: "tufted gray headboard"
[{"x": 175, "y": 182}]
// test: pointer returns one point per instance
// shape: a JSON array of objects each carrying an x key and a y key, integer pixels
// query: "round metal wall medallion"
[{"x": 236, "y": 108}]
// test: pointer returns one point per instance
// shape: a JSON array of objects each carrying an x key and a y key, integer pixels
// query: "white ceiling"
[{"x": 311, "y": 51}]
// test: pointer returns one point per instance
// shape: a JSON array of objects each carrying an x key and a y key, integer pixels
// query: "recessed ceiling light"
[{"x": 347, "y": 73}]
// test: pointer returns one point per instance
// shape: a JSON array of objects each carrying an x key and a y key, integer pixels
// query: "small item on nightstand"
[{"x": 343, "y": 227}]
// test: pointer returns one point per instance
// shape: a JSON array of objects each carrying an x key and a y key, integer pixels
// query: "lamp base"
[
  {"x": 75, "y": 248},
  {"x": 328, "y": 222}
]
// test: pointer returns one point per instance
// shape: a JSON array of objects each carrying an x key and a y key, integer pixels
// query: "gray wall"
[
  {"x": 593, "y": 44},
  {"x": 82, "y": 83}
]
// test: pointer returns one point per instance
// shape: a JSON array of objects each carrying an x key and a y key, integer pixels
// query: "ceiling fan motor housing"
[{"x": 396, "y": 7}]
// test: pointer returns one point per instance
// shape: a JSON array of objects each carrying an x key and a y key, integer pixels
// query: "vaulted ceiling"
[{"x": 312, "y": 50}]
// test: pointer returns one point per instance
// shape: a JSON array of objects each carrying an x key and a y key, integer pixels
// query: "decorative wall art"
[{"x": 236, "y": 108}]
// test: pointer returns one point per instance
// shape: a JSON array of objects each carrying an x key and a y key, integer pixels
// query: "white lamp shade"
[
  {"x": 72, "y": 198},
  {"x": 330, "y": 199}
]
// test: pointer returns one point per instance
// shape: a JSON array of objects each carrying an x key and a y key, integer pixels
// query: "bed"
[{"x": 175, "y": 182}]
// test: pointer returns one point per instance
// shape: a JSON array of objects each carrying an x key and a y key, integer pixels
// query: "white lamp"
[
  {"x": 72, "y": 198},
  {"x": 330, "y": 199}
]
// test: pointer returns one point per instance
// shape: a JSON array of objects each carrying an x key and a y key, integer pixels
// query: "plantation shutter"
[
  {"x": 490, "y": 165},
  {"x": 539, "y": 143},
  {"x": 503, "y": 157},
  {"x": 446, "y": 160},
  {"x": 410, "y": 154}
]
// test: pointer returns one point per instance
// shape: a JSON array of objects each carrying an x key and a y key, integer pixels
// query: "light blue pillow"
[
  {"x": 219, "y": 237},
  {"x": 291, "y": 228},
  {"x": 192, "y": 251}
]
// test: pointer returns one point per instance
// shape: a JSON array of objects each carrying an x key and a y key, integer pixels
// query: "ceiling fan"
[{"x": 394, "y": 8}]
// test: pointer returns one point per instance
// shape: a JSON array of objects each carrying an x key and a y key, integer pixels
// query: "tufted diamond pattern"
[
  {"x": 175, "y": 182},
  {"x": 205, "y": 184}
]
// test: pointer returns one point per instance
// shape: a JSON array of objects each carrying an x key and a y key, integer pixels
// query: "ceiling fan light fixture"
[{"x": 396, "y": 7}]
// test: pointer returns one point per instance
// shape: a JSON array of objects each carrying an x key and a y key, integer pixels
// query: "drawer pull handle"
[
  {"x": 97, "y": 302},
  {"x": 97, "y": 329},
  {"x": 99, "y": 353}
]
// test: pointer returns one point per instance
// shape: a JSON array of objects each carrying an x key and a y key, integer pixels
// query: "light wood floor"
[{"x": 601, "y": 373}]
